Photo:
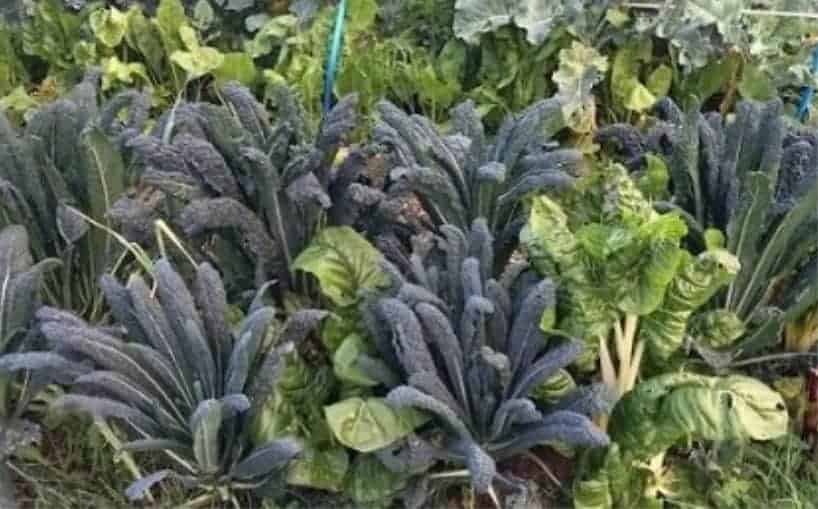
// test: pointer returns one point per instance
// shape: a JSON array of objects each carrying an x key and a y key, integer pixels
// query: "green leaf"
[
  {"x": 345, "y": 358},
  {"x": 655, "y": 182},
  {"x": 370, "y": 482},
  {"x": 660, "y": 81},
  {"x": 274, "y": 33},
  {"x": 716, "y": 329},
  {"x": 105, "y": 182},
  {"x": 361, "y": 15},
  {"x": 580, "y": 69},
  {"x": 170, "y": 18},
  {"x": 203, "y": 15},
  {"x": 367, "y": 425},
  {"x": 206, "y": 424},
  {"x": 696, "y": 282},
  {"x": 756, "y": 85},
  {"x": 537, "y": 17},
  {"x": 626, "y": 87},
  {"x": 555, "y": 388},
  {"x": 319, "y": 468},
  {"x": 109, "y": 26},
  {"x": 145, "y": 37},
  {"x": 732, "y": 408},
  {"x": 115, "y": 71},
  {"x": 197, "y": 63},
  {"x": 236, "y": 67},
  {"x": 344, "y": 263}
]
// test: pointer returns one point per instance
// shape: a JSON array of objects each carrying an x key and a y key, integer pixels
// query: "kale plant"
[
  {"x": 468, "y": 349},
  {"x": 20, "y": 285},
  {"x": 464, "y": 175},
  {"x": 753, "y": 178},
  {"x": 183, "y": 381},
  {"x": 64, "y": 164},
  {"x": 250, "y": 192}
]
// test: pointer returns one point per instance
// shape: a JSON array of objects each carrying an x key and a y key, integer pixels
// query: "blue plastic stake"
[
  {"x": 808, "y": 93},
  {"x": 336, "y": 49}
]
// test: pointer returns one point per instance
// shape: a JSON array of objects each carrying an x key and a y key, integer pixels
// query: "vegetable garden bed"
[{"x": 408, "y": 253}]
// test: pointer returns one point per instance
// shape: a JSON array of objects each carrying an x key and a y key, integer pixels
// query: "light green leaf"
[
  {"x": 660, "y": 81},
  {"x": 344, "y": 263},
  {"x": 345, "y": 358},
  {"x": 170, "y": 18},
  {"x": 321, "y": 469},
  {"x": 696, "y": 282},
  {"x": 474, "y": 18},
  {"x": 207, "y": 422},
  {"x": 145, "y": 37},
  {"x": 109, "y": 26},
  {"x": 580, "y": 69},
  {"x": 655, "y": 182},
  {"x": 236, "y": 67},
  {"x": 361, "y": 15},
  {"x": 555, "y": 388},
  {"x": 370, "y": 482},
  {"x": 203, "y": 15},
  {"x": 626, "y": 87},
  {"x": 716, "y": 329},
  {"x": 732, "y": 408},
  {"x": 273, "y": 33},
  {"x": 115, "y": 71},
  {"x": 367, "y": 425},
  {"x": 197, "y": 63}
]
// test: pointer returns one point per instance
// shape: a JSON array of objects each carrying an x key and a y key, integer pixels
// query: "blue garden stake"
[
  {"x": 336, "y": 49},
  {"x": 808, "y": 93}
]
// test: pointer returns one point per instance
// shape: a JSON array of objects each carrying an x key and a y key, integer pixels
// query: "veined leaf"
[
  {"x": 367, "y": 425},
  {"x": 344, "y": 264}
]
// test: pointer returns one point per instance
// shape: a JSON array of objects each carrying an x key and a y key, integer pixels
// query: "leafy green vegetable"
[
  {"x": 470, "y": 354},
  {"x": 466, "y": 175},
  {"x": 666, "y": 411},
  {"x": 344, "y": 263},
  {"x": 623, "y": 271},
  {"x": 756, "y": 180},
  {"x": 367, "y": 425},
  {"x": 68, "y": 159},
  {"x": 186, "y": 383}
]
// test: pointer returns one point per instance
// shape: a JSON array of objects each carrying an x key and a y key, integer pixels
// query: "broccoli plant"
[
  {"x": 464, "y": 175},
  {"x": 467, "y": 349},
  {"x": 20, "y": 288},
  {"x": 753, "y": 178},
  {"x": 182, "y": 380},
  {"x": 251, "y": 193},
  {"x": 67, "y": 163},
  {"x": 624, "y": 274}
]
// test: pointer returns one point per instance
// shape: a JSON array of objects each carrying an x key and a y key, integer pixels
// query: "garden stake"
[
  {"x": 808, "y": 93},
  {"x": 334, "y": 54}
]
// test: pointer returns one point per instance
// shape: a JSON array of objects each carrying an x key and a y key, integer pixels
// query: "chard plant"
[
  {"x": 181, "y": 379},
  {"x": 638, "y": 469},
  {"x": 624, "y": 274},
  {"x": 465, "y": 174},
  {"x": 336, "y": 405},
  {"x": 466, "y": 349},
  {"x": 749, "y": 183},
  {"x": 64, "y": 167}
]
